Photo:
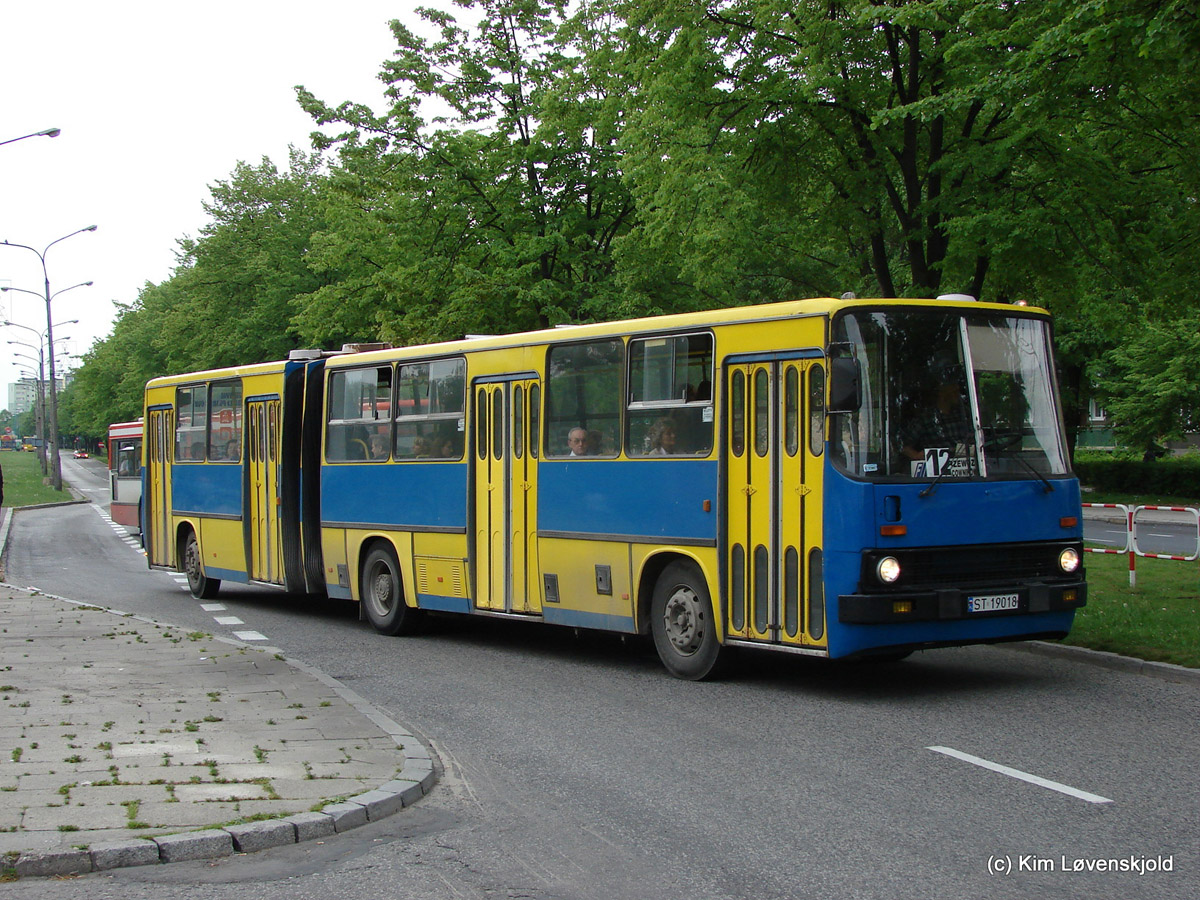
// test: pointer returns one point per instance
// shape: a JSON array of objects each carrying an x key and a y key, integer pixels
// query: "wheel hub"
[
  {"x": 684, "y": 620},
  {"x": 191, "y": 562},
  {"x": 381, "y": 591}
]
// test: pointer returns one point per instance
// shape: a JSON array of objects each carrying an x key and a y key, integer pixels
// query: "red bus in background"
[{"x": 125, "y": 472}]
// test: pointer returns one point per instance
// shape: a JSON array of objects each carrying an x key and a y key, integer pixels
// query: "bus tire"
[
  {"x": 383, "y": 596},
  {"x": 202, "y": 587},
  {"x": 681, "y": 620}
]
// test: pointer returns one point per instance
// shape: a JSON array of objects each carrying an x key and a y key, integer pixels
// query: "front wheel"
[
  {"x": 382, "y": 596},
  {"x": 202, "y": 587},
  {"x": 681, "y": 619}
]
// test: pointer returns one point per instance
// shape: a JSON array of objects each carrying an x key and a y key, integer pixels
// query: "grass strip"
[
  {"x": 23, "y": 480},
  {"x": 1158, "y": 619}
]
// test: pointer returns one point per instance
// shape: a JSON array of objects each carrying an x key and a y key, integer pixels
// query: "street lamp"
[
  {"x": 39, "y": 397},
  {"x": 55, "y": 461},
  {"x": 48, "y": 132}
]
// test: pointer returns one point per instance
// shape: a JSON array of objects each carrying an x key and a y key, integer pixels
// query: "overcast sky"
[{"x": 156, "y": 101}]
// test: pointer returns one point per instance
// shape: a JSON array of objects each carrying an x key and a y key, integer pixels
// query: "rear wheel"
[
  {"x": 681, "y": 619},
  {"x": 383, "y": 597},
  {"x": 203, "y": 587}
]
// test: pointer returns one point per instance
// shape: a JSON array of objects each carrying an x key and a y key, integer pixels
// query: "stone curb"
[
  {"x": 1160, "y": 670},
  {"x": 415, "y": 780},
  {"x": 76, "y": 502}
]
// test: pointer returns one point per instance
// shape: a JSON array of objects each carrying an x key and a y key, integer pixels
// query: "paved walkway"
[{"x": 128, "y": 742}]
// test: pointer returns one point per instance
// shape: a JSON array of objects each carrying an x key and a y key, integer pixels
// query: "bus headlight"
[
  {"x": 888, "y": 569},
  {"x": 1068, "y": 560}
]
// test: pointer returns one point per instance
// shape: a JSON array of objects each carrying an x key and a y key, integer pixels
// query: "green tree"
[
  {"x": 235, "y": 284},
  {"x": 894, "y": 148},
  {"x": 496, "y": 214}
]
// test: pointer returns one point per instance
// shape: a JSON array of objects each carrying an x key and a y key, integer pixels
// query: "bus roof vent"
[
  {"x": 366, "y": 346},
  {"x": 849, "y": 295},
  {"x": 305, "y": 354},
  {"x": 957, "y": 298}
]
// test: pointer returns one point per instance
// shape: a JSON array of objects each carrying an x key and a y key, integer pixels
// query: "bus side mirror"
[{"x": 845, "y": 384}]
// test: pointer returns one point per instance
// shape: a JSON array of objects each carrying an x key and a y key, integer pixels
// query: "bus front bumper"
[{"x": 944, "y": 604}]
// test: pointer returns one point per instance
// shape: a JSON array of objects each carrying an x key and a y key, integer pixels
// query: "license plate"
[{"x": 993, "y": 603}]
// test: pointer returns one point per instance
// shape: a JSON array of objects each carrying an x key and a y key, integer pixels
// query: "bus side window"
[
  {"x": 359, "y": 404},
  {"x": 192, "y": 423},
  {"x": 670, "y": 396},
  {"x": 430, "y": 397},
  {"x": 225, "y": 423},
  {"x": 583, "y": 393}
]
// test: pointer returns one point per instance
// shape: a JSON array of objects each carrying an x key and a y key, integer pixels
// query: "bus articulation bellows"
[{"x": 835, "y": 478}]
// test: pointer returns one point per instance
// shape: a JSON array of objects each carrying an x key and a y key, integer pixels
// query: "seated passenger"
[
  {"x": 577, "y": 441},
  {"x": 662, "y": 438}
]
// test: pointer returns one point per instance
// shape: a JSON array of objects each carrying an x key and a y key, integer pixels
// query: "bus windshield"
[{"x": 948, "y": 394}]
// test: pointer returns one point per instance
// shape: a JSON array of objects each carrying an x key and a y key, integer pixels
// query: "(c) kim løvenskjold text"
[{"x": 1137, "y": 864}]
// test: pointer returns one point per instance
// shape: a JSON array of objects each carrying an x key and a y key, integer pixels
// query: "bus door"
[
  {"x": 774, "y": 438},
  {"x": 159, "y": 439},
  {"x": 262, "y": 473},
  {"x": 506, "y": 434}
]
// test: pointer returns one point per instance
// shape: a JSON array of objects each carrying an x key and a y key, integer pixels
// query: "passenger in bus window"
[
  {"x": 421, "y": 447},
  {"x": 379, "y": 446},
  {"x": 577, "y": 441},
  {"x": 445, "y": 446},
  {"x": 661, "y": 438}
]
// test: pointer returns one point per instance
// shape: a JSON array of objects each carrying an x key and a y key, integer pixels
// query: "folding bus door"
[
  {"x": 505, "y": 507},
  {"x": 159, "y": 438},
  {"x": 262, "y": 477},
  {"x": 773, "y": 499}
]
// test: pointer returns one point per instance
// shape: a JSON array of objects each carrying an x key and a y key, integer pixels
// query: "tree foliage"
[
  {"x": 499, "y": 213},
  {"x": 537, "y": 162}
]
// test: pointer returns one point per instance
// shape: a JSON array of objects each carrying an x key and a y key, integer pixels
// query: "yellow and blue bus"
[
  {"x": 835, "y": 478},
  {"x": 231, "y": 479}
]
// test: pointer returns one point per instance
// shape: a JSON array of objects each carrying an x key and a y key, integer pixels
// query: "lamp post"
[
  {"x": 55, "y": 461},
  {"x": 40, "y": 392},
  {"x": 39, "y": 398},
  {"x": 46, "y": 132}
]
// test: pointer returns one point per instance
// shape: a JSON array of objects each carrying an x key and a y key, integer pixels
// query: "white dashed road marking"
[
  {"x": 181, "y": 580},
  {"x": 1023, "y": 776}
]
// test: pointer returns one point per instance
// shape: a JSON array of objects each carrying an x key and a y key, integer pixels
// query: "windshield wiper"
[
  {"x": 1040, "y": 477},
  {"x": 932, "y": 486},
  {"x": 1001, "y": 442}
]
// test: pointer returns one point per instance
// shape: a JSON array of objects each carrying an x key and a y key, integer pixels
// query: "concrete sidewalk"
[{"x": 129, "y": 742}]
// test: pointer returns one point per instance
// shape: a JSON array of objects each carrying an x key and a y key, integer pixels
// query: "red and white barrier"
[{"x": 1130, "y": 514}]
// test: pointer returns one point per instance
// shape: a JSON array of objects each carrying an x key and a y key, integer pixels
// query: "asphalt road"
[
  {"x": 1170, "y": 538},
  {"x": 576, "y": 768}
]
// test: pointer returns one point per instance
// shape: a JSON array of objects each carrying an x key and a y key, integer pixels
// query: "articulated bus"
[
  {"x": 125, "y": 473},
  {"x": 836, "y": 478}
]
